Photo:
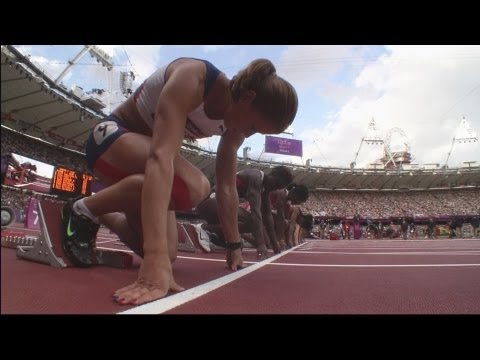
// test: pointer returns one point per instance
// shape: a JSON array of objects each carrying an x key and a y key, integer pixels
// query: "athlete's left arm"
[
  {"x": 254, "y": 197},
  {"x": 226, "y": 192},
  {"x": 268, "y": 221}
]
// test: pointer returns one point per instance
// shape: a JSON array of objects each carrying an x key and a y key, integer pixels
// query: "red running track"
[{"x": 318, "y": 277}]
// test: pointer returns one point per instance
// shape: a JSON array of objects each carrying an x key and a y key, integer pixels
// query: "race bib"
[{"x": 104, "y": 130}]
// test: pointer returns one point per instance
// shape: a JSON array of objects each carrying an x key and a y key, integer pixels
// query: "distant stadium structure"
[
  {"x": 463, "y": 135},
  {"x": 372, "y": 137},
  {"x": 394, "y": 158}
]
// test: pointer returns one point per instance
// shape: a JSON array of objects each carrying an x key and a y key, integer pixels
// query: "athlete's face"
[{"x": 245, "y": 118}]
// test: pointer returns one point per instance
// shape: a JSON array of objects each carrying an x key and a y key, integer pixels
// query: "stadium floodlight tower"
[
  {"x": 101, "y": 56},
  {"x": 126, "y": 82},
  {"x": 372, "y": 137},
  {"x": 463, "y": 135},
  {"x": 246, "y": 150},
  {"x": 94, "y": 51}
]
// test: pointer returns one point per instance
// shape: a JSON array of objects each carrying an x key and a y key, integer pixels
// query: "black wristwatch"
[{"x": 233, "y": 246}]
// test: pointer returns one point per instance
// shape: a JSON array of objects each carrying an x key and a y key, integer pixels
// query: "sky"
[{"x": 418, "y": 96}]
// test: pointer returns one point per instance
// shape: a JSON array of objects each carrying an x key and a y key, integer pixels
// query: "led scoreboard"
[{"x": 70, "y": 183}]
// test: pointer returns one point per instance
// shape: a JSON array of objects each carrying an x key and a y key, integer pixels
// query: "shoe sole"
[{"x": 71, "y": 256}]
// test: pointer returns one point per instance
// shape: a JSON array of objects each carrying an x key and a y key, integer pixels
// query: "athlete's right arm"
[
  {"x": 182, "y": 93},
  {"x": 280, "y": 217}
]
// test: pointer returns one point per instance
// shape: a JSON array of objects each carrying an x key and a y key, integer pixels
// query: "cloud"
[
  {"x": 144, "y": 58},
  {"x": 316, "y": 66},
  {"x": 423, "y": 90},
  {"x": 52, "y": 67}
]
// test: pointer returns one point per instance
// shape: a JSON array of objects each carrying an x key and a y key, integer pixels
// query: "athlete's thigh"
[
  {"x": 131, "y": 151},
  {"x": 127, "y": 155}
]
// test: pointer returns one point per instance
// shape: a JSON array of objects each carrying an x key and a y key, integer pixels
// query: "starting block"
[
  {"x": 201, "y": 244},
  {"x": 185, "y": 242},
  {"x": 48, "y": 248},
  {"x": 188, "y": 240},
  {"x": 190, "y": 230}
]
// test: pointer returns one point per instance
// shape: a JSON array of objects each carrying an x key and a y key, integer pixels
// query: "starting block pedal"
[
  {"x": 185, "y": 243},
  {"x": 196, "y": 238},
  {"x": 199, "y": 238},
  {"x": 48, "y": 247}
]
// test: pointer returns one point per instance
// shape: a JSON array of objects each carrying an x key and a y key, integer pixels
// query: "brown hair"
[
  {"x": 283, "y": 175},
  {"x": 275, "y": 97}
]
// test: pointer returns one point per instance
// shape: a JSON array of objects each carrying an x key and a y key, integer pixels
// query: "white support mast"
[
  {"x": 94, "y": 51},
  {"x": 372, "y": 137},
  {"x": 463, "y": 134}
]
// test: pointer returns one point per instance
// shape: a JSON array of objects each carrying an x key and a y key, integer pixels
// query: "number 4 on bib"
[{"x": 104, "y": 130}]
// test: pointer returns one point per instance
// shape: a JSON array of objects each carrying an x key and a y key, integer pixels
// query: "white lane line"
[
  {"x": 210, "y": 259},
  {"x": 179, "y": 257},
  {"x": 172, "y": 301},
  {"x": 472, "y": 252},
  {"x": 386, "y": 266}
]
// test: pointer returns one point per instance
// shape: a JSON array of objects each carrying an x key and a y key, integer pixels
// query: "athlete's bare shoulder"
[{"x": 189, "y": 65}]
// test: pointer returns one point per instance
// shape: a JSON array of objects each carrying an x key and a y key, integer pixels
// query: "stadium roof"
[
  {"x": 34, "y": 105},
  {"x": 321, "y": 178}
]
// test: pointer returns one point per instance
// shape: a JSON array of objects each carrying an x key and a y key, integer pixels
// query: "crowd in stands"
[
  {"x": 15, "y": 198},
  {"x": 342, "y": 204},
  {"x": 36, "y": 150},
  {"x": 375, "y": 205},
  {"x": 18, "y": 198}
]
